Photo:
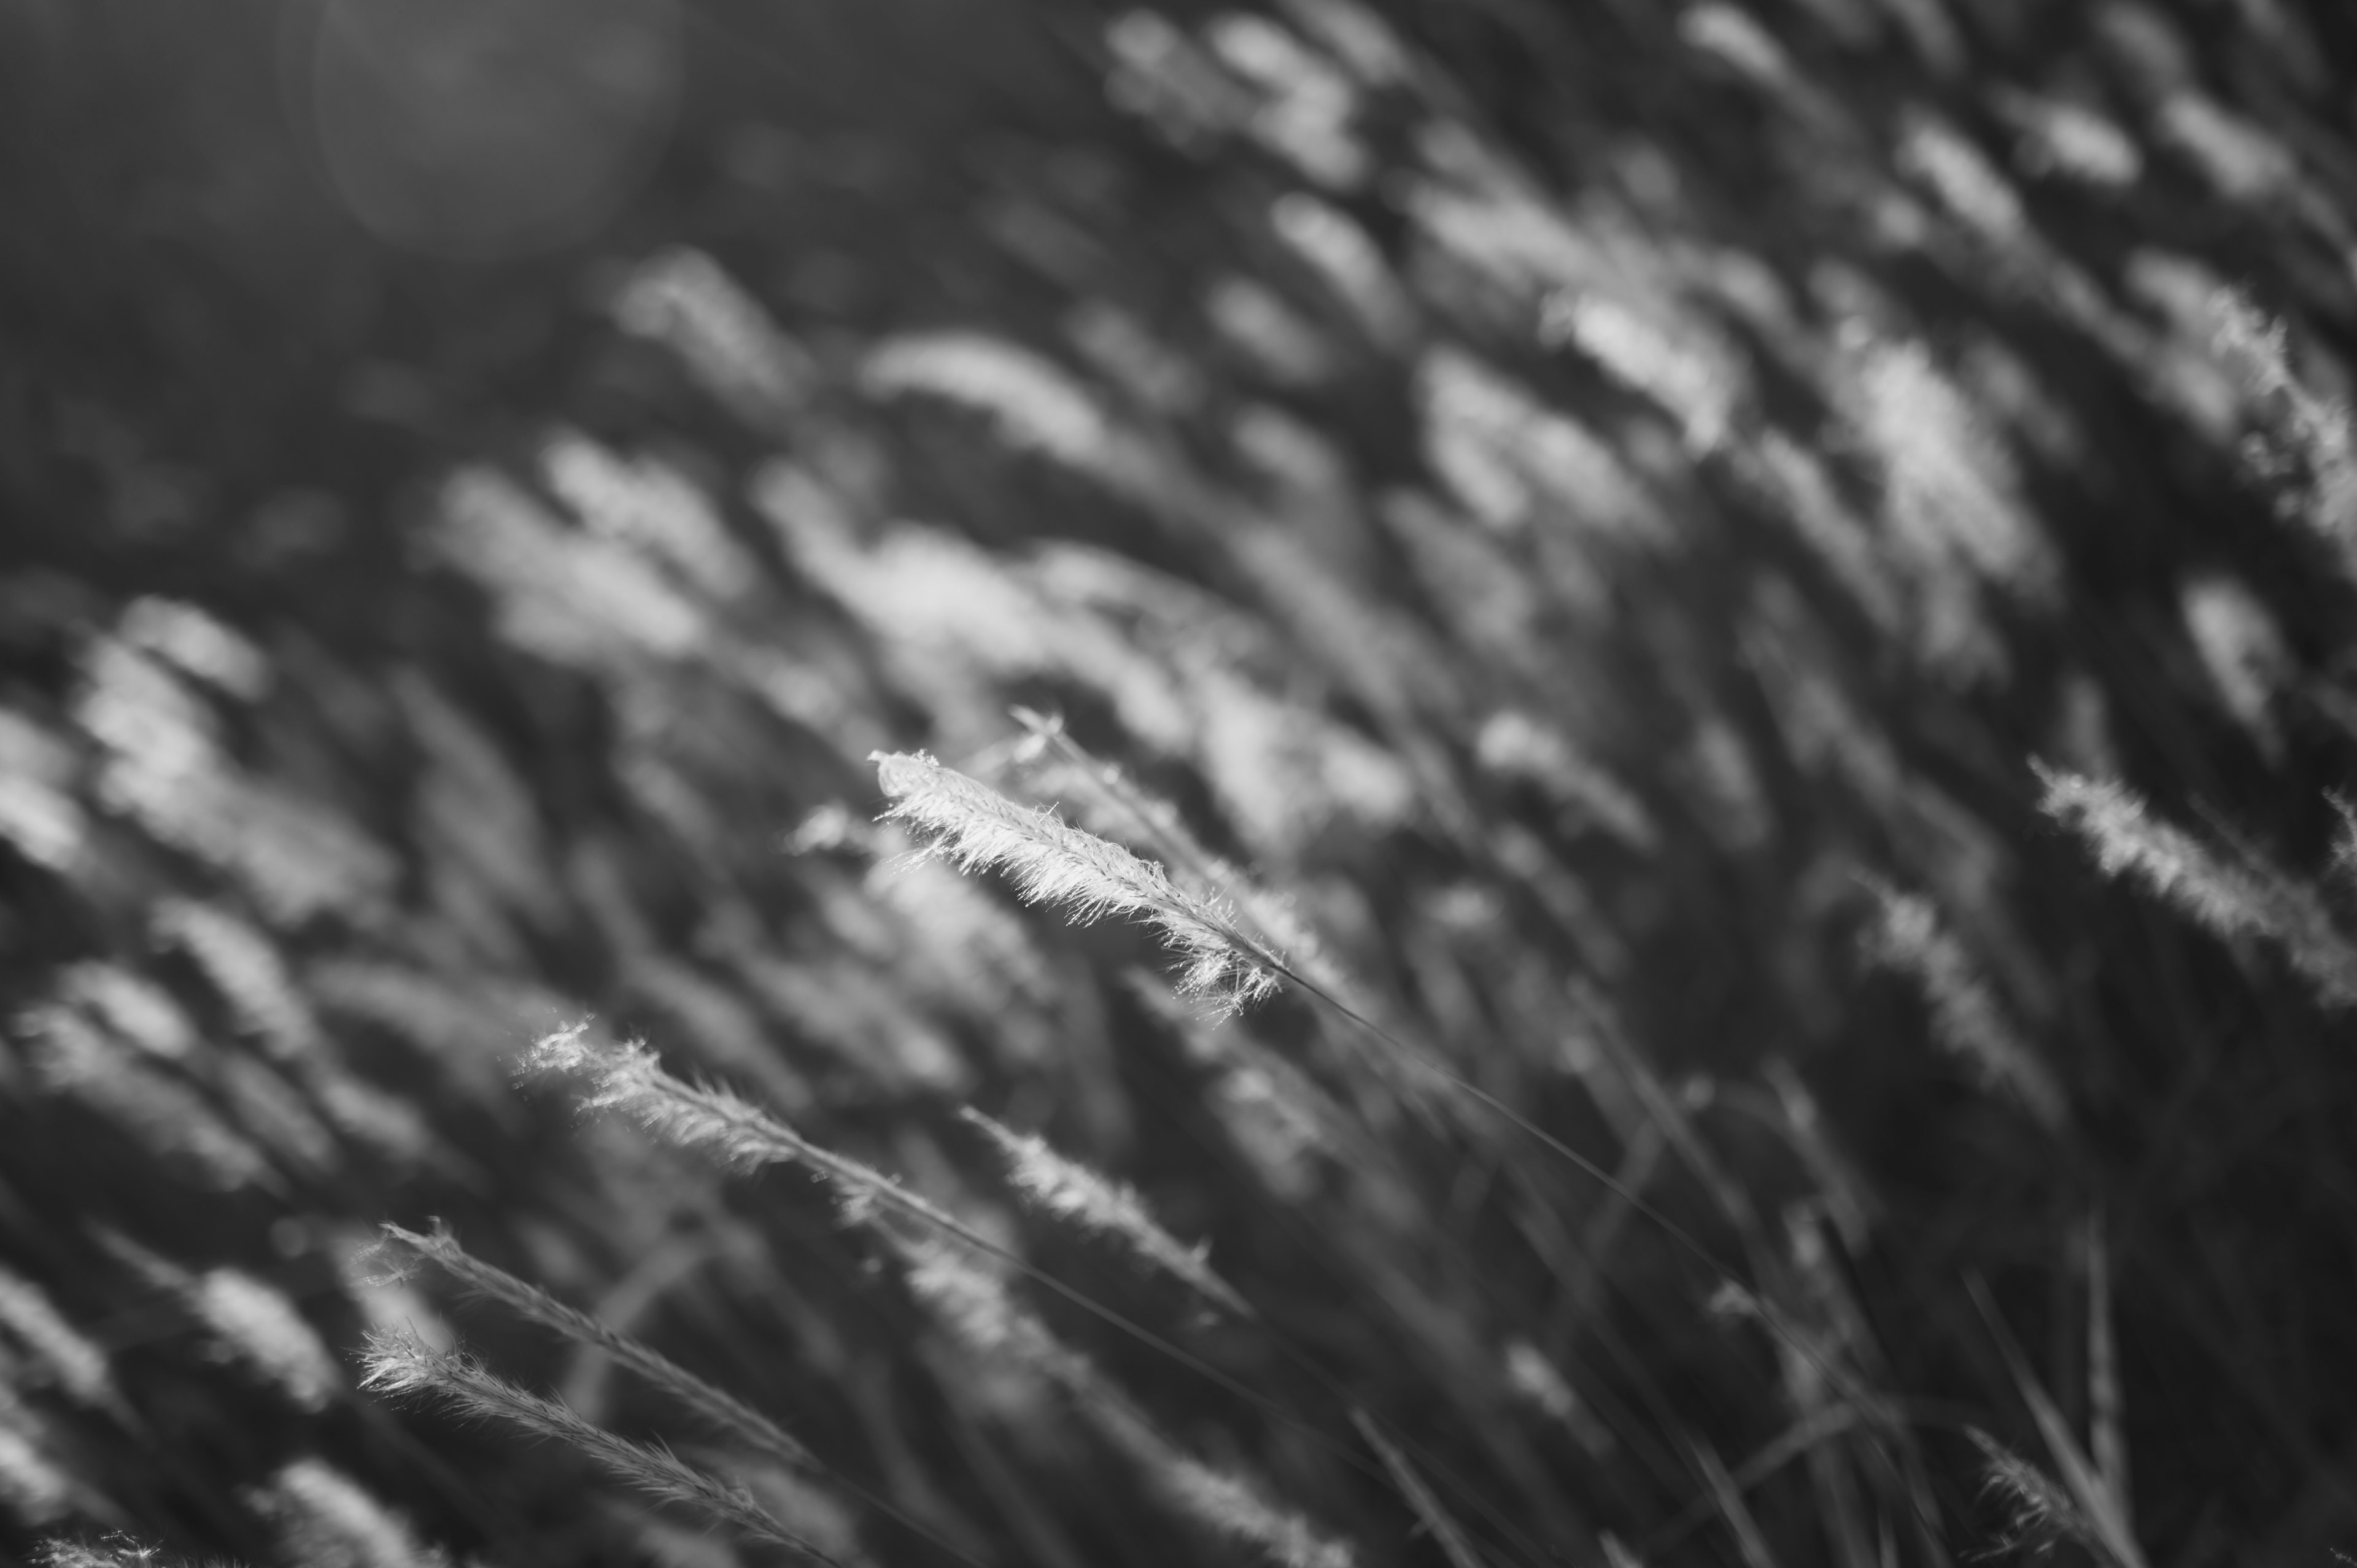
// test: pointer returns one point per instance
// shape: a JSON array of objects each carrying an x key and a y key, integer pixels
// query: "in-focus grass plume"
[{"x": 1086, "y": 876}]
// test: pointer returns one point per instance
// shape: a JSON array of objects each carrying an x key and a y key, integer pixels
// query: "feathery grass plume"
[
  {"x": 686, "y": 301},
  {"x": 628, "y": 1078},
  {"x": 1428, "y": 1511},
  {"x": 1947, "y": 163},
  {"x": 1307, "y": 106},
  {"x": 564, "y": 595},
  {"x": 258, "y": 1325},
  {"x": 1163, "y": 76},
  {"x": 2243, "y": 650},
  {"x": 973, "y": 1302},
  {"x": 2094, "y": 1500},
  {"x": 118, "y": 1553},
  {"x": 2308, "y": 445},
  {"x": 1087, "y": 876},
  {"x": 2068, "y": 140},
  {"x": 246, "y": 968},
  {"x": 1070, "y": 1190},
  {"x": 383, "y": 1299},
  {"x": 39, "y": 814},
  {"x": 1117, "y": 806},
  {"x": 721, "y": 1410},
  {"x": 1955, "y": 519},
  {"x": 134, "y": 1007},
  {"x": 62, "y": 1352},
  {"x": 652, "y": 507},
  {"x": 399, "y": 1364},
  {"x": 2039, "y": 1514},
  {"x": 198, "y": 645},
  {"x": 1035, "y": 404},
  {"x": 251, "y": 1322},
  {"x": 1512, "y": 459},
  {"x": 327, "y": 1520},
  {"x": 1226, "y": 1504},
  {"x": 71, "y": 1054},
  {"x": 1513, "y": 745},
  {"x": 166, "y": 764},
  {"x": 2241, "y": 163},
  {"x": 33, "y": 1486},
  {"x": 1532, "y": 1377},
  {"x": 1692, "y": 372},
  {"x": 1909, "y": 938},
  {"x": 1348, "y": 261},
  {"x": 625, "y": 1076},
  {"x": 2242, "y": 896}
]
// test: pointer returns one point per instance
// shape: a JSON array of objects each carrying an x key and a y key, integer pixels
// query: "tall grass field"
[{"x": 1341, "y": 784}]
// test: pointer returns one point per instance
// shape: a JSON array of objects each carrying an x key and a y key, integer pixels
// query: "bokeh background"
[{"x": 1771, "y": 582}]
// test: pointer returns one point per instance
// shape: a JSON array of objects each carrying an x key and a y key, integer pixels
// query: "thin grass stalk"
[
  {"x": 1089, "y": 878},
  {"x": 1728, "y": 1499},
  {"x": 1678, "y": 1132},
  {"x": 1804, "y": 1436},
  {"x": 722, "y": 1411},
  {"x": 1730, "y": 1196},
  {"x": 2107, "y": 1396},
  {"x": 1435, "y": 1520},
  {"x": 628, "y": 1078},
  {"x": 399, "y": 1363},
  {"x": 2105, "y": 1513},
  {"x": 717, "y": 1408}
]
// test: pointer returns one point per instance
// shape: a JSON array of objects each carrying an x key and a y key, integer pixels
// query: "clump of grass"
[
  {"x": 721, "y": 1410},
  {"x": 1513, "y": 587},
  {"x": 399, "y": 1364}
]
